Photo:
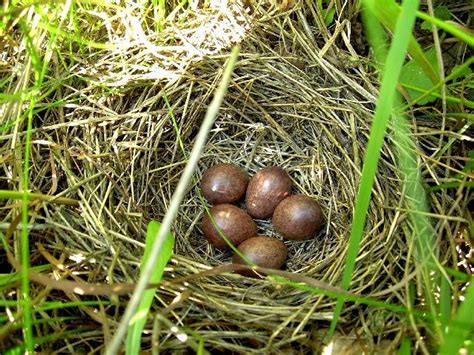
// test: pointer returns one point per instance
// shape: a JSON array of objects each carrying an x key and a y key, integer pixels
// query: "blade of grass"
[
  {"x": 11, "y": 97},
  {"x": 352, "y": 298},
  {"x": 200, "y": 350},
  {"x": 461, "y": 326},
  {"x": 24, "y": 241},
  {"x": 22, "y": 348},
  {"x": 422, "y": 232},
  {"x": 159, "y": 11},
  {"x": 445, "y": 303},
  {"x": 62, "y": 305},
  {"x": 388, "y": 12},
  {"x": 178, "y": 196},
  {"x": 40, "y": 66},
  {"x": 405, "y": 346},
  {"x": 51, "y": 320},
  {"x": 6, "y": 126},
  {"x": 456, "y": 31},
  {"x": 56, "y": 31},
  {"x": 48, "y": 306},
  {"x": 451, "y": 185},
  {"x": 201, "y": 197},
  {"x": 430, "y": 92},
  {"x": 458, "y": 275},
  {"x": 31, "y": 196},
  {"x": 137, "y": 323},
  {"x": 384, "y": 105}
]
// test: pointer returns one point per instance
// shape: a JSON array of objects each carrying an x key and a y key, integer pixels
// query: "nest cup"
[
  {"x": 289, "y": 104},
  {"x": 281, "y": 109}
]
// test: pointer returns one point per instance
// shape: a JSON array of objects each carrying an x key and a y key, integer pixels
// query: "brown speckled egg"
[
  {"x": 266, "y": 190},
  {"x": 224, "y": 183},
  {"x": 266, "y": 252},
  {"x": 298, "y": 217},
  {"x": 233, "y": 222}
]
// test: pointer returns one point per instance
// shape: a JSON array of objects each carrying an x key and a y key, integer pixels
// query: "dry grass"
[{"x": 118, "y": 140}]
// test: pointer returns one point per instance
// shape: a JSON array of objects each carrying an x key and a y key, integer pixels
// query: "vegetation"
[{"x": 109, "y": 112}]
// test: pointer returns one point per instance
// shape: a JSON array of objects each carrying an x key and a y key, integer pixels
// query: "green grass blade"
[
  {"x": 413, "y": 75},
  {"x": 374, "y": 303},
  {"x": 24, "y": 236},
  {"x": 461, "y": 326},
  {"x": 445, "y": 303},
  {"x": 422, "y": 232},
  {"x": 176, "y": 200},
  {"x": 458, "y": 275},
  {"x": 430, "y": 93},
  {"x": 12, "y": 97},
  {"x": 30, "y": 196},
  {"x": 159, "y": 8},
  {"x": 137, "y": 323},
  {"x": 48, "y": 306},
  {"x": 376, "y": 36},
  {"x": 405, "y": 346},
  {"x": 23, "y": 348},
  {"x": 448, "y": 27},
  {"x": 38, "y": 64},
  {"x": 387, "y": 12},
  {"x": 55, "y": 31},
  {"x": 395, "y": 59},
  {"x": 457, "y": 72}
]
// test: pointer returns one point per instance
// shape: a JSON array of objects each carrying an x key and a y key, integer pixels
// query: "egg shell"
[
  {"x": 298, "y": 217},
  {"x": 264, "y": 251},
  {"x": 266, "y": 190},
  {"x": 232, "y": 221},
  {"x": 224, "y": 183}
]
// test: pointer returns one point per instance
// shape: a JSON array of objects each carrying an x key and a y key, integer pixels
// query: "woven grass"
[{"x": 115, "y": 134}]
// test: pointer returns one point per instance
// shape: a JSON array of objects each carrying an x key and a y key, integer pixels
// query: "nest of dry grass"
[{"x": 301, "y": 98}]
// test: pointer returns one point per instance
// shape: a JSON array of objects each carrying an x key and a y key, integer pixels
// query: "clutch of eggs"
[{"x": 267, "y": 195}]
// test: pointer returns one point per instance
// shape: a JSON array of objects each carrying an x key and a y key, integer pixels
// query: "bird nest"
[{"x": 300, "y": 98}]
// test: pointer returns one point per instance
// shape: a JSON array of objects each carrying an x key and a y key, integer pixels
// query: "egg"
[
  {"x": 298, "y": 217},
  {"x": 232, "y": 221},
  {"x": 266, "y": 190},
  {"x": 264, "y": 251},
  {"x": 224, "y": 183}
]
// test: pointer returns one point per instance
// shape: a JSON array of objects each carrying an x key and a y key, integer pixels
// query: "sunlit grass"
[
  {"x": 390, "y": 73},
  {"x": 422, "y": 231},
  {"x": 178, "y": 196},
  {"x": 137, "y": 323},
  {"x": 461, "y": 327},
  {"x": 437, "y": 315},
  {"x": 37, "y": 65}
]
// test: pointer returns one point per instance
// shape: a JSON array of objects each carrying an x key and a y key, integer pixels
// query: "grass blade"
[
  {"x": 395, "y": 59},
  {"x": 178, "y": 196},
  {"x": 457, "y": 72},
  {"x": 413, "y": 75},
  {"x": 388, "y": 12},
  {"x": 137, "y": 323},
  {"x": 422, "y": 234},
  {"x": 374, "y": 303},
  {"x": 35, "y": 62},
  {"x": 445, "y": 302},
  {"x": 405, "y": 346},
  {"x": 461, "y": 326},
  {"x": 447, "y": 26},
  {"x": 31, "y": 196}
]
